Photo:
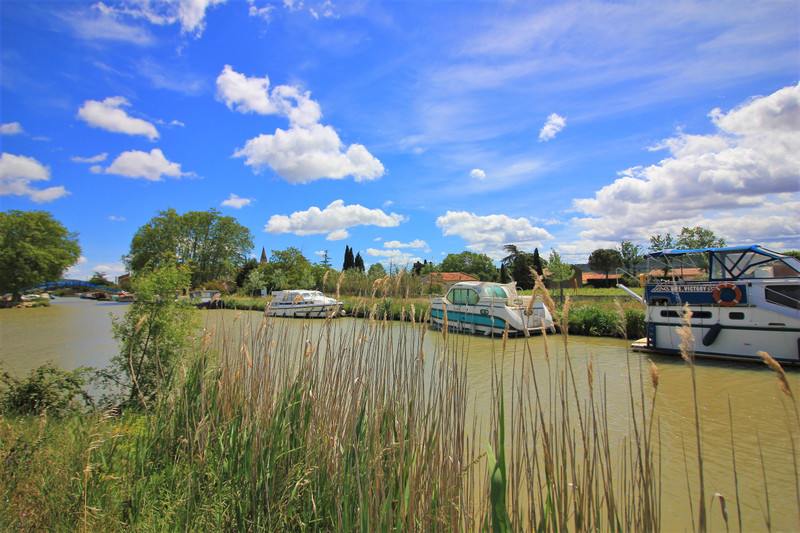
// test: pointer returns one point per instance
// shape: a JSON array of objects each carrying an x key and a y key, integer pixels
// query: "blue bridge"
[{"x": 70, "y": 283}]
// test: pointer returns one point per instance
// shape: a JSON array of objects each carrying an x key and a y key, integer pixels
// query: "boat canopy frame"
[{"x": 729, "y": 263}]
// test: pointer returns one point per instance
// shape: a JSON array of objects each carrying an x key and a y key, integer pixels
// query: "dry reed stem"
[
  {"x": 774, "y": 365},
  {"x": 654, "y": 375}
]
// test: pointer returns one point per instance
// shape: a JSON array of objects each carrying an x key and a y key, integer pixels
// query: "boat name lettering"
[{"x": 685, "y": 288}]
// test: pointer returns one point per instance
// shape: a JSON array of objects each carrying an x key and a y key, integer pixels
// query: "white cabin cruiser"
[
  {"x": 486, "y": 308},
  {"x": 749, "y": 303},
  {"x": 303, "y": 304}
]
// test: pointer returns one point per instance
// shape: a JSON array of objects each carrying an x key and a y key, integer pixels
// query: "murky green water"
[{"x": 76, "y": 332}]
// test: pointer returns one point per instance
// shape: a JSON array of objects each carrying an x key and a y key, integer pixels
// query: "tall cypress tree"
[
  {"x": 537, "y": 262},
  {"x": 349, "y": 261},
  {"x": 359, "y": 262}
]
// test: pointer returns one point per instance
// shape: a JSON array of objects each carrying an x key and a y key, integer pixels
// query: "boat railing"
[{"x": 630, "y": 292}]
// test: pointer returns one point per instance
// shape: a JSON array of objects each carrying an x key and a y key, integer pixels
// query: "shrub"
[
  {"x": 46, "y": 389},
  {"x": 595, "y": 322}
]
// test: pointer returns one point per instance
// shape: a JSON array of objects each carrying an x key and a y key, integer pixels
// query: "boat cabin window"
[
  {"x": 493, "y": 291},
  {"x": 463, "y": 297},
  {"x": 786, "y": 295},
  {"x": 751, "y": 265},
  {"x": 736, "y": 315},
  {"x": 676, "y": 314}
]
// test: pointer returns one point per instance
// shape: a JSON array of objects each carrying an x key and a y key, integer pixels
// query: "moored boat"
[
  {"x": 303, "y": 304},
  {"x": 203, "y": 299},
  {"x": 486, "y": 308},
  {"x": 750, "y": 302}
]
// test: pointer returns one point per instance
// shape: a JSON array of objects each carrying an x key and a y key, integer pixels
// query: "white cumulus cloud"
[
  {"x": 301, "y": 155},
  {"x": 109, "y": 116},
  {"x": 236, "y": 202},
  {"x": 308, "y": 150},
  {"x": 95, "y": 159},
  {"x": 751, "y": 161},
  {"x": 151, "y": 166},
  {"x": 16, "y": 174},
  {"x": 416, "y": 243},
  {"x": 334, "y": 219},
  {"x": 11, "y": 128},
  {"x": 478, "y": 174},
  {"x": 554, "y": 124},
  {"x": 488, "y": 234}
]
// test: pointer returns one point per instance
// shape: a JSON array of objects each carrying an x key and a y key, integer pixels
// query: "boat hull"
[
  {"x": 733, "y": 333},
  {"x": 305, "y": 311},
  {"x": 488, "y": 321}
]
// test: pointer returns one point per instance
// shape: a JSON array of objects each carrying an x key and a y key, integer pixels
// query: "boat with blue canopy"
[{"x": 747, "y": 301}]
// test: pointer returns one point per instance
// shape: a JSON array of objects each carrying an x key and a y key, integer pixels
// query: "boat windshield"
[
  {"x": 751, "y": 264},
  {"x": 495, "y": 291}
]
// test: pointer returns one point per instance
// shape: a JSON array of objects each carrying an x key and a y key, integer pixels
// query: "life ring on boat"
[{"x": 737, "y": 294}]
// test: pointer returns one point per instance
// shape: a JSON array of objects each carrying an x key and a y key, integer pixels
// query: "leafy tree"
[
  {"x": 376, "y": 271},
  {"x": 698, "y": 237},
  {"x": 793, "y": 253},
  {"x": 631, "y": 255},
  {"x": 34, "y": 248},
  {"x": 479, "y": 265},
  {"x": 605, "y": 260},
  {"x": 154, "y": 335},
  {"x": 559, "y": 271},
  {"x": 358, "y": 263},
  {"x": 99, "y": 278},
  {"x": 661, "y": 242},
  {"x": 288, "y": 269},
  {"x": 207, "y": 242},
  {"x": 245, "y": 270},
  {"x": 256, "y": 280},
  {"x": 519, "y": 264}
]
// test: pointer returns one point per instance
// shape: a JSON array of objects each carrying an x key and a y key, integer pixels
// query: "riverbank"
[{"x": 597, "y": 313}]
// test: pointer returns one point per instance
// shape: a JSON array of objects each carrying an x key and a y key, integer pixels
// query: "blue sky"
[{"x": 405, "y": 129}]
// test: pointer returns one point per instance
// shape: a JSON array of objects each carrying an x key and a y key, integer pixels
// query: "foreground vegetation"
[{"x": 257, "y": 428}]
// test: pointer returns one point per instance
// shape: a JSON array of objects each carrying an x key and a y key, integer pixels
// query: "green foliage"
[
  {"x": 34, "y": 248},
  {"x": 211, "y": 244},
  {"x": 631, "y": 256},
  {"x": 519, "y": 265},
  {"x": 244, "y": 270},
  {"x": 255, "y": 281},
  {"x": 698, "y": 237},
  {"x": 376, "y": 270},
  {"x": 479, "y": 265},
  {"x": 153, "y": 336},
  {"x": 595, "y": 322},
  {"x": 47, "y": 389},
  {"x": 605, "y": 260},
  {"x": 288, "y": 269}
]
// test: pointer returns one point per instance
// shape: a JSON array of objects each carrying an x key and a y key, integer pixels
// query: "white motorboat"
[
  {"x": 749, "y": 303},
  {"x": 303, "y": 304},
  {"x": 486, "y": 308}
]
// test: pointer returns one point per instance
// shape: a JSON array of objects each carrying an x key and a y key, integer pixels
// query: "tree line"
[{"x": 215, "y": 251}]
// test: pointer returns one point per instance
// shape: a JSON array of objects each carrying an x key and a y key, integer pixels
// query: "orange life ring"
[{"x": 737, "y": 294}]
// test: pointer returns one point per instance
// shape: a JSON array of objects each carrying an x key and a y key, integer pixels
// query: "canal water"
[{"x": 737, "y": 402}]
